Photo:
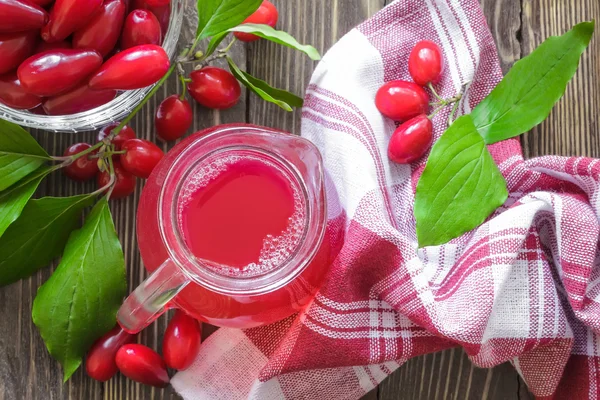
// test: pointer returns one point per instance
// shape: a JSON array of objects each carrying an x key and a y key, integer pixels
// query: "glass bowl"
[{"x": 107, "y": 113}]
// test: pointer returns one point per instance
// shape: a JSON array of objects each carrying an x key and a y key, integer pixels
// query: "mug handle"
[{"x": 147, "y": 302}]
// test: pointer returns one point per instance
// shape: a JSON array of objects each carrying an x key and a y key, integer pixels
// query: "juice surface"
[{"x": 241, "y": 214}]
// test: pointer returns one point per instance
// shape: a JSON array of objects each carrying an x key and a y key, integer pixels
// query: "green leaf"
[
  {"x": 79, "y": 302},
  {"x": 280, "y": 37},
  {"x": 526, "y": 95},
  {"x": 215, "y": 41},
  {"x": 39, "y": 235},
  {"x": 20, "y": 154},
  {"x": 460, "y": 186},
  {"x": 216, "y": 16},
  {"x": 13, "y": 199},
  {"x": 280, "y": 97}
]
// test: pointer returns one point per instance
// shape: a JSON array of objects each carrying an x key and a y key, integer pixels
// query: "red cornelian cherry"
[
  {"x": 13, "y": 95},
  {"x": 124, "y": 134},
  {"x": 141, "y": 27},
  {"x": 100, "y": 361},
  {"x": 401, "y": 100},
  {"x": 15, "y": 48},
  {"x": 57, "y": 71},
  {"x": 173, "y": 118},
  {"x": 134, "y": 68},
  {"x": 77, "y": 100},
  {"x": 411, "y": 140},
  {"x": 141, "y": 157},
  {"x": 142, "y": 364},
  {"x": 426, "y": 63},
  {"x": 214, "y": 87},
  {"x": 103, "y": 31},
  {"x": 83, "y": 168},
  {"x": 21, "y": 16},
  {"x": 181, "y": 342},
  {"x": 266, "y": 14},
  {"x": 162, "y": 13},
  {"x": 68, "y": 16},
  {"x": 124, "y": 185}
]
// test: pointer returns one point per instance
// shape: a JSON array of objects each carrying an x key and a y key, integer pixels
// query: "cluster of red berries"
[
  {"x": 80, "y": 54},
  {"x": 211, "y": 87},
  {"x": 408, "y": 102},
  {"x": 116, "y": 351},
  {"x": 134, "y": 158}
]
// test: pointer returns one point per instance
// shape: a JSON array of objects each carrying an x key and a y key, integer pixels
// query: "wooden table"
[{"x": 28, "y": 372}]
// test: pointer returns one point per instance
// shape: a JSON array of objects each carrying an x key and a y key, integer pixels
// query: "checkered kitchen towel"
[{"x": 524, "y": 287}]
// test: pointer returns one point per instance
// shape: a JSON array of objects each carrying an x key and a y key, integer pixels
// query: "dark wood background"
[{"x": 28, "y": 372}]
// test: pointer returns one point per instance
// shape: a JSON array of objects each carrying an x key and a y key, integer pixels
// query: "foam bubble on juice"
[
  {"x": 202, "y": 176},
  {"x": 276, "y": 249}
]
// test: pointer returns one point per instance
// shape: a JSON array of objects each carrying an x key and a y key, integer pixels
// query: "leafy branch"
[{"x": 461, "y": 186}]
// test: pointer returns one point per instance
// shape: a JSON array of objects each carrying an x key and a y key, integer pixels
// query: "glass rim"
[
  {"x": 202, "y": 274},
  {"x": 108, "y": 113}
]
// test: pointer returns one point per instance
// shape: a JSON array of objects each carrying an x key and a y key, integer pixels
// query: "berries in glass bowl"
[{"x": 70, "y": 103}]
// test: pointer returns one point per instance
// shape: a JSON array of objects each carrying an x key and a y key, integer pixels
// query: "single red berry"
[
  {"x": 411, "y": 140},
  {"x": 77, "y": 100},
  {"x": 103, "y": 30},
  {"x": 82, "y": 169},
  {"x": 15, "y": 48},
  {"x": 21, "y": 16},
  {"x": 13, "y": 95},
  {"x": 173, "y": 118},
  {"x": 124, "y": 135},
  {"x": 181, "y": 341},
  {"x": 124, "y": 185},
  {"x": 68, "y": 16},
  {"x": 142, "y": 364},
  {"x": 100, "y": 361},
  {"x": 141, "y": 27},
  {"x": 426, "y": 63},
  {"x": 266, "y": 14},
  {"x": 133, "y": 68},
  {"x": 401, "y": 100},
  {"x": 141, "y": 157},
  {"x": 57, "y": 71},
  {"x": 214, "y": 87}
]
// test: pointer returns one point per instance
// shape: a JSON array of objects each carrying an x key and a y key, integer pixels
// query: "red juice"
[
  {"x": 241, "y": 215},
  {"x": 247, "y": 206}
]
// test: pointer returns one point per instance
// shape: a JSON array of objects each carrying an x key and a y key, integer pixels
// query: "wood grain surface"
[{"x": 518, "y": 26}]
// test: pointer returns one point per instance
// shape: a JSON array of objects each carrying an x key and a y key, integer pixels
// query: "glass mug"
[{"x": 179, "y": 279}]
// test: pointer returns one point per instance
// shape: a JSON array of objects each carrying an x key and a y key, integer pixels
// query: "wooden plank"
[
  {"x": 449, "y": 375},
  {"x": 504, "y": 20},
  {"x": 573, "y": 127},
  {"x": 316, "y": 22}
]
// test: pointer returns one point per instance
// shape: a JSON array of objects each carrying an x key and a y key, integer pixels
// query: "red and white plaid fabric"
[{"x": 524, "y": 287}]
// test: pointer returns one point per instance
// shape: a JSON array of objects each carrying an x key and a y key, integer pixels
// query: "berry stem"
[
  {"x": 435, "y": 93},
  {"x": 436, "y": 111},
  {"x": 68, "y": 160},
  {"x": 111, "y": 172},
  {"x": 226, "y": 49},
  {"x": 105, "y": 154},
  {"x": 454, "y": 109},
  {"x": 184, "y": 86}
]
